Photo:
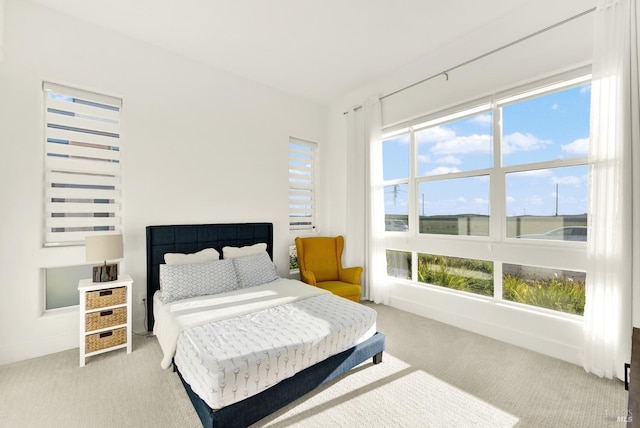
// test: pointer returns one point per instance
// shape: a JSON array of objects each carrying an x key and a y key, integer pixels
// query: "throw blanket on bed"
[{"x": 177, "y": 316}]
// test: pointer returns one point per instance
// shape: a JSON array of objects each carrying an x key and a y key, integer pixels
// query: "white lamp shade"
[{"x": 103, "y": 247}]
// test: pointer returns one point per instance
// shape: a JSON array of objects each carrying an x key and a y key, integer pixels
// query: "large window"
[
  {"x": 302, "y": 194},
  {"x": 511, "y": 170},
  {"x": 82, "y": 166}
]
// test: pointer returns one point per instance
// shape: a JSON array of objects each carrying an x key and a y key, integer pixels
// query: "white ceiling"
[{"x": 318, "y": 50}]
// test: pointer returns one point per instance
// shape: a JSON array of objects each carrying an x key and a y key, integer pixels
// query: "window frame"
[
  {"x": 82, "y": 162},
  {"x": 302, "y": 186},
  {"x": 495, "y": 247},
  {"x": 68, "y": 286}
]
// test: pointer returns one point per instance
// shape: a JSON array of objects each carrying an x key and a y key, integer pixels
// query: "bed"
[{"x": 190, "y": 239}]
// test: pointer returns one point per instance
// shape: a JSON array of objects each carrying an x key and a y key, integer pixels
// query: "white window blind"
[
  {"x": 82, "y": 164},
  {"x": 302, "y": 157}
]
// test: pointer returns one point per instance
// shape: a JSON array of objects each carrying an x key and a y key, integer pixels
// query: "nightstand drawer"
[
  {"x": 104, "y": 319},
  {"x": 107, "y": 297},
  {"x": 106, "y": 339}
]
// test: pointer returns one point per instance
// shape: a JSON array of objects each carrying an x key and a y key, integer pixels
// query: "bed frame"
[{"x": 192, "y": 238}]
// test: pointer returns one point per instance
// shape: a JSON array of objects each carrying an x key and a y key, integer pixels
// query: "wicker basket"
[
  {"x": 104, "y": 319},
  {"x": 107, "y": 297},
  {"x": 106, "y": 339}
]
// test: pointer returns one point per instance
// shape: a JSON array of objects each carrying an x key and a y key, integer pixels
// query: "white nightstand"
[{"x": 105, "y": 316}]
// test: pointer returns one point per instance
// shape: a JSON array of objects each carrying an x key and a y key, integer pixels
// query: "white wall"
[
  {"x": 566, "y": 47},
  {"x": 199, "y": 145}
]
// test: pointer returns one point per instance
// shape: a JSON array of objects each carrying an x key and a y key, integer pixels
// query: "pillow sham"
[
  {"x": 196, "y": 279},
  {"x": 231, "y": 252},
  {"x": 255, "y": 269},
  {"x": 206, "y": 255}
]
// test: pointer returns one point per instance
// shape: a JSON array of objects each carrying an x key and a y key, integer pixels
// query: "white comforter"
[
  {"x": 235, "y": 358},
  {"x": 181, "y": 315}
]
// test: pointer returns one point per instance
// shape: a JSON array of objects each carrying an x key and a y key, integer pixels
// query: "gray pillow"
[
  {"x": 196, "y": 279},
  {"x": 255, "y": 269}
]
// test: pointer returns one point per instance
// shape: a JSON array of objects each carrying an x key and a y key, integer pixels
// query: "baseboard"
[{"x": 508, "y": 325}]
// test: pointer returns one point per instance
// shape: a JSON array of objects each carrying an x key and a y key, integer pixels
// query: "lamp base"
[{"x": 105, "y": 272}]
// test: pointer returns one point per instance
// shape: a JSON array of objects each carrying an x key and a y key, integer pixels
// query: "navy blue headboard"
[{"x": 190, "y": 238}]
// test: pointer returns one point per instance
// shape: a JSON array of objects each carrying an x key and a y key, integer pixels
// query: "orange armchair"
[{"x": 320, "y": 262}]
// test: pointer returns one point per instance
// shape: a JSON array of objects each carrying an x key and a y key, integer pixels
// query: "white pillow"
[
  {"x": 231, "y": 252},
  {"x": 196, "y": 279},
  {"x": 206, "y": 255},
  {"x": 255, "y": 269}
]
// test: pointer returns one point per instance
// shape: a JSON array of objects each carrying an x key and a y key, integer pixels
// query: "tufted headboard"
[{"x": 190, "y": 238}]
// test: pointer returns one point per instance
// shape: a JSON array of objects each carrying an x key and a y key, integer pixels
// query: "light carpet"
[
  {"x": 392, "y": 394},
  {"x": 432, "y": 375}
]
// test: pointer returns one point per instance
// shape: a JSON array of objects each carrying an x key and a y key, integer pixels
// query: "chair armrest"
[
  {"x": 350, "y": 275},
  {"x": 308, "y": 277}
]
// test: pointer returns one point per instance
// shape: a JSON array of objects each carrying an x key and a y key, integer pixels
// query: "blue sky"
[{"x": 545, "y": 128}]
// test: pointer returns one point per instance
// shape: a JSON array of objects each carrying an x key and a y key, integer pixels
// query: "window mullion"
[
  {"x": 497, "y": 189},
  {"x": 414, "y": 215}
]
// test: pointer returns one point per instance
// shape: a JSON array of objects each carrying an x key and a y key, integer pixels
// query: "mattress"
[{"x": 228, "y": 360}]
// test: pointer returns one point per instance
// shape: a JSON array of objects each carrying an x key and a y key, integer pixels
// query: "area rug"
[{"x": 391, "y": 394}]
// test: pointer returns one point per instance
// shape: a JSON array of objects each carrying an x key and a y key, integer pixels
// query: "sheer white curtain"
[
  {"x": 364, "y": 131},
  {"x": 614, "y": 191},
  {"x": 375, "y": 246}
]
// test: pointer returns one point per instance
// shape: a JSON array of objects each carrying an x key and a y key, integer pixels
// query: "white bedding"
[
  {"x": 279, "y": 329},
  {"x": 175, "y": 317}
]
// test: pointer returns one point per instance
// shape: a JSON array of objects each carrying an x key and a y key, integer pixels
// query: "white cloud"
[
  {"x": 482, "y": 119},
  {"x": 577, "y": 147},
  {"x": 442, "y": 170},
  {"x": 449, "y": 159},
  {"x": 461, "y": 199},
  {"x": 511, "y": 199},
  {"x": 424, "y": 159},
  {"x": 554, "y": 107},
  {"x": 570, "y": 179},
  {"x": 435, "y": 134},
  {"x": 481, "y": 201},
  {"x": 464, "y": 145},
  {"x": 522, "y": 142}
]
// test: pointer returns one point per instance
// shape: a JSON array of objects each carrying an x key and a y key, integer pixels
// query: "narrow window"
[
  {"x": 82, "y": 168},
  {"x": 302, "y": 196}
]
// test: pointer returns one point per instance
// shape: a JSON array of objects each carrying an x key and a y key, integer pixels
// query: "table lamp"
[{"x": 103, "y": 248}]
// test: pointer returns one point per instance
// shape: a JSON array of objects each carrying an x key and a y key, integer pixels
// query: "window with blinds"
[
  {"x": 82, "y": 178},
  {"x": 302, "y": 156}
]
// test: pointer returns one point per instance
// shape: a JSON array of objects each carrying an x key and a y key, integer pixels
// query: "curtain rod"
[{"x": 486, "y": 54}]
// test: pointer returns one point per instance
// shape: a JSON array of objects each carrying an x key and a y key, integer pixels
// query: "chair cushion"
[
  {"x": 320, "y": 258},
  {"x": 340, "y": 288}
]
